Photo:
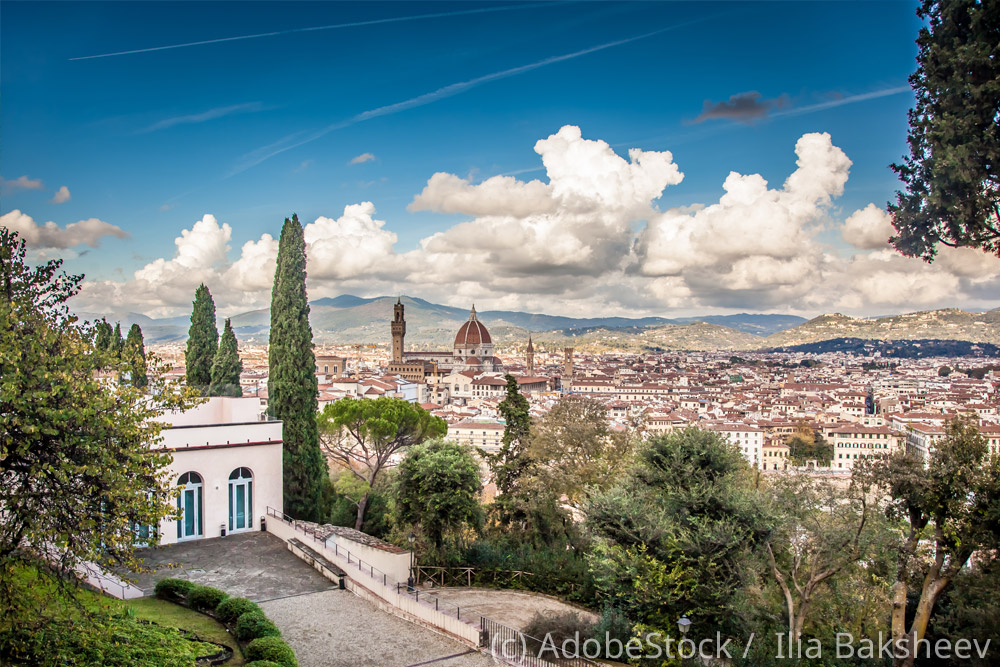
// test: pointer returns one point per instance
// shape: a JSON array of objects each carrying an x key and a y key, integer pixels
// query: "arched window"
[
  {"x": 240, "y": 500},
  {"x": 189, "y": 502}
]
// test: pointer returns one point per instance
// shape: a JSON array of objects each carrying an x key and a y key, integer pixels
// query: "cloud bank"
[
  {"x": 589, "y": 238},
  {"x": 52, "y": 236}
]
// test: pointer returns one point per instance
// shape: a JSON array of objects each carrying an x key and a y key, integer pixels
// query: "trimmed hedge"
[
  {"x": 206, "y": 598},
  {"x": 273, "y": 649},
  {"x": 231, "y": 609},
  {"x": 254, "y": 624},
  {"x": 173, "y": 589}
]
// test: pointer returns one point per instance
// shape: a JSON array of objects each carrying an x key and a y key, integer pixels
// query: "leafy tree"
[
  {"x": 291, "y": 383},
  {"x": 439, "y": 486},
  {"x": 203, "y": 340},
  {"x": 950, "y": 507},
  {"x": 361, "y": 435},
  {"x": 226, "y": 367},
  {"x": 944, "y": 371},
  {"x": 674, "y": 534},
  {"x": 808, "y": 445},
  {"x": 512, "y": 461},
  {"x": 575, "y": 449},
  {"x": 78, "y": 474},
  {"x": 952, "y": 175},
  {"x": 135, "y": 356},
  {"x": 102, "y": 335},
  {"x": 821, "y": 531}
]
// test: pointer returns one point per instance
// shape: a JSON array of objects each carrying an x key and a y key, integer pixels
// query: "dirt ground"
[{"x": 512, "y": 608}]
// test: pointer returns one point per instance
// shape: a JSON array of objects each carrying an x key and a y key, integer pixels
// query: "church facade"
[{"x": 471, "y": 351}]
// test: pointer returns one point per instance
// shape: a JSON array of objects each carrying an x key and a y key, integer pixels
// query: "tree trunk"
[
  {"x": 361, "y": 512},
  {"x": 928, "y": 597}
]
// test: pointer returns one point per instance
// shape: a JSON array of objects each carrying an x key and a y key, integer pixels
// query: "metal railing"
[
  {"x": 377, "y": 575},
  {"x": 464, "y": 576},
  {"x": 516, "y": 648}
]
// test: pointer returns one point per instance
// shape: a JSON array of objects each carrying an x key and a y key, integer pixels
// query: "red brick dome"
[{"x": 472, "y": 332}]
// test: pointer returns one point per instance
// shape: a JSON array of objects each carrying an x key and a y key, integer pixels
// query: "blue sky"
[{"x": 343, "y": 103}]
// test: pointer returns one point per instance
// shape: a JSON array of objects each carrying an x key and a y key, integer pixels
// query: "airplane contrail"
[
  {"x": 355, "y": 24},
  {"x": 842, "y": 101},
  {"x": 256, "y": 157}
]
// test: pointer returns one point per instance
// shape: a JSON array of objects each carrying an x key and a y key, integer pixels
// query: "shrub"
[
  {"x": 556, "y": 628},
  {"x": 262, "y": 663},
  {"x": 231, "y": 609},
  {"x": 273, "y": 649},
  {"x": 254, "y": 624},
  {"x": 613, "y": 625},
  {"x": 206, "y": 598},
  {"x": 173, "y": 589}
]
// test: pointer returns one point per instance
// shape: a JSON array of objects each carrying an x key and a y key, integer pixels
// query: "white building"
[
  {"x": 227, "y": 463},
  {"x": 748, "y": 439},
  {"x": 485, "y": 435},
  {"x": 852, "y": 442}
]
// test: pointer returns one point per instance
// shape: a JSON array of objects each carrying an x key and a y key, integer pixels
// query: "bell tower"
[
  {"x": 531, "y": 358},
  {"x": 398, "y": 328}
]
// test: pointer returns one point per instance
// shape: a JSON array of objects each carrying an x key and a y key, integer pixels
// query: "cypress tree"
[
  {"x": 291, "y": 384},
  {"x": 103, "y": 338},
  {"x": 117, "y": 341},
  {"x": 226, "y": 367},
  {"x": 203, "y": 340},
  {"x": 135, "y": 348}
]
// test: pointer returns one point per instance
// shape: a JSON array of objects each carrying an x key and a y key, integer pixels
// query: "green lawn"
[
  {"x": 175, "y": 616},
  {"x": 46, "y": 599}
]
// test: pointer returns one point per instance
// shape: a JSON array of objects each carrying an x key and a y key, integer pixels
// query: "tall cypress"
[
  {"x": 227, "y": 366},
  {"x": 135, "y": 348},
  {"x": 117, "y": 341},
  {"x": 291, "y": 384},
  {"x": 203, "y": 340}
]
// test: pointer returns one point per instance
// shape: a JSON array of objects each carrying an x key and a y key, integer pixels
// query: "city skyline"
[{"x": 580, "y": 159}]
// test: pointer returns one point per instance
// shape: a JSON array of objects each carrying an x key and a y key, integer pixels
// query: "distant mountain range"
[{"x": 353, "y": 319}]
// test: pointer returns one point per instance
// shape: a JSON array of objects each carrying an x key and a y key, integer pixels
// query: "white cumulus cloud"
[
  {"x": 868, "y": 228},
  {"x": 61, "y": 196},
  {"x": 349, "y": 246},
  {"x": 51, "y": 235}
]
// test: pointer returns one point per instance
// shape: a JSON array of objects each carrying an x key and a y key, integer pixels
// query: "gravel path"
[
  {"x": 338, "y": 629},
  {"x": 512, "y": 608}
]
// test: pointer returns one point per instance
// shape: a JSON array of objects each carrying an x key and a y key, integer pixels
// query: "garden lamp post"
[
  {"x": 684, "y": 624},
  {"x": 409, "y": 582}
]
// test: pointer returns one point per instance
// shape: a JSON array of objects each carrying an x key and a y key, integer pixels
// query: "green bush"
[
  {"x": 273, "y": 649},
  {"x": 231, "y": 609},
  {"x": 206, "y": 598},
  {"x": 173, "y": 589},
  {"x": 109, "y": 640},
  {"x": 558, "y": 627},
  {"x": 254, "y": 624},
  {"x": 262, "y": 663}
]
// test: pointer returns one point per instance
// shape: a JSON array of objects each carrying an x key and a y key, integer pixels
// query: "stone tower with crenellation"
[
  {"x": 398, "y": 329},
  {"x": 531, "y": 358}
]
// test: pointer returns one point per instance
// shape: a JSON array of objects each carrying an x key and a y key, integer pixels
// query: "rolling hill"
[{"x": 352, "y": 319}]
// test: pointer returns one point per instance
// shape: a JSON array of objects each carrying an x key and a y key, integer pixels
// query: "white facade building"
[
  {"x": 227, "y": 463},
  {"x": 748, "y": 439}
]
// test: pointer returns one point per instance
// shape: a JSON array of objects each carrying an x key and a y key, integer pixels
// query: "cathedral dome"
[{"x": 472, "y": 332}]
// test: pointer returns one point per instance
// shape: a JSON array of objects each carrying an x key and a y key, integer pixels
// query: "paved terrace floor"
[
  {"x": 325, "y": 626},
  {"x": 252, "y": 565}
]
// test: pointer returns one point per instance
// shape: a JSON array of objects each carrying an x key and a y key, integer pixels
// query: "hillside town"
[{"x": 861, "y": 406}]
